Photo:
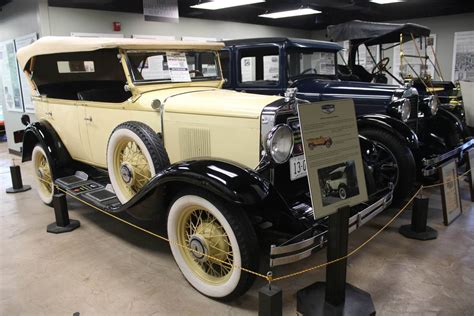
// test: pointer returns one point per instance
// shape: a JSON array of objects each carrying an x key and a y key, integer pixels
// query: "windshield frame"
[
  {"x": 169, "y": 81},
  {"x": 293, "y": 50}
]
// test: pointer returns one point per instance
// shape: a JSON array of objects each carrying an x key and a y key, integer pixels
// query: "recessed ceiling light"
[
  {"x": 385, "y": 1},
  {"x": 222, "y": 4},
  {"x": 286, "y": 14}
]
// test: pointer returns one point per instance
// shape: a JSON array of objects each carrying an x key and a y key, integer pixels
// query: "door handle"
[{"x": 89, "y": 119}]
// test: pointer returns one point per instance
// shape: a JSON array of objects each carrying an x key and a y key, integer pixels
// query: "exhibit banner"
[
  {"x": 463, "y": 56},
  {"x": 450, "y": 196},
  {"x": 25, "y": 86},
  {"x": 161, "y": 10},
  {"x": 332, "y": 153},
  {"x": 10, "y": 79}
]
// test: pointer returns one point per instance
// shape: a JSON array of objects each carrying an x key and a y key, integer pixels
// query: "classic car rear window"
[
  {"x": 310, "y": 62},
  {"x": 151, "y": 66},
  {"x": 259, "y": 66},
  {"x": 74, "y": 66}
]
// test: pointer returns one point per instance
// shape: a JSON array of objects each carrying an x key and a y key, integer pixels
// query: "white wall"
[
  {"x": 63, "y": 21},
  {"x": 17, "y": 18},
  {"x": 444, "y": 27}
]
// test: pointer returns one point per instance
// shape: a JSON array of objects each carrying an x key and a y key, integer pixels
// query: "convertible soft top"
[
  {"x": 64, "y": 44},
  {"x": 374, "y": 33}
]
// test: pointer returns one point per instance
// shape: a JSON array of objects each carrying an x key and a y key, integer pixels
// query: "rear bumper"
[
  {"x": 430, "y": 165},
  {"x": 293, "y": 252}
]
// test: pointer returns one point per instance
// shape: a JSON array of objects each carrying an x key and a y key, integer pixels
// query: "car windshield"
[
  {"x": 173, "y": 66},
  {"x": 310, "y": 62}
]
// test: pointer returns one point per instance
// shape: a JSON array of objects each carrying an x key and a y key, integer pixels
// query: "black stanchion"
[
  {"x": 335, "y": 296},
  {"x": 17, "y": 182},
  {"x": 270, "y": 301},
  {"x": 63, "y": 224},
  {"x": 418, "y": 229}
]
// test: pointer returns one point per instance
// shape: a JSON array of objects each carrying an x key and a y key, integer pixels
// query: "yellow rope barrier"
[{"x": 267, "y": 277}]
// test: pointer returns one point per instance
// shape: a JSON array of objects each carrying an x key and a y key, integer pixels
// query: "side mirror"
[{"x": 25, "y": 119}]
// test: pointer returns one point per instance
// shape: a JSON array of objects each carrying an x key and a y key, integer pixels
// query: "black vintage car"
[{"x": 411, "y": 128}]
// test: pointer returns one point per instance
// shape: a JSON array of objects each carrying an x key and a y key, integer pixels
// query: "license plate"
[{"x": 297, "y": 167}]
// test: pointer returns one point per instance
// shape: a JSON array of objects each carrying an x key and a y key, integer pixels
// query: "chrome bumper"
[
  {"x": 430, "y": 166},
  {"x": 289, "y": 253}
]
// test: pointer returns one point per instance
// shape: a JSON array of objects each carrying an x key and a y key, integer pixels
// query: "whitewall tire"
[
  {"x": 201, "y": 222},
  {"x": 44, "y": 175}
]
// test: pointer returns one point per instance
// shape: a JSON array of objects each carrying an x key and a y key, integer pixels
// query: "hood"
[{"x": 209, "y": 101}]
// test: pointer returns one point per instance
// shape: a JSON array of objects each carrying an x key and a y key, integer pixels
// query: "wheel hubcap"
[
  {"x": 383, "y": 164},
  {"x": 126, "y": 172}
]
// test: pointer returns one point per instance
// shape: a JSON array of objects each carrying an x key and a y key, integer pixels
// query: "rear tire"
[
  {"x": 203, "y": 222},
  {"x": 44, "y": 174},
  {"x": 404, "y": 159}
]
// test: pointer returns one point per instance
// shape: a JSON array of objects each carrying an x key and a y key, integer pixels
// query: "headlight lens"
[
  {"x": 280, "y": 143},
  {"x": 405, "y": 110},
  {"x": 433, "y": 104}
]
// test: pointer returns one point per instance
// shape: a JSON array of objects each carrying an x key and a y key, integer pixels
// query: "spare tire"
[{"x": 135, "y": 153}]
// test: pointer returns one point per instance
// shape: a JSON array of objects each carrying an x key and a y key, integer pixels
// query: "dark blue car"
[{"x": 411, "y": 128}]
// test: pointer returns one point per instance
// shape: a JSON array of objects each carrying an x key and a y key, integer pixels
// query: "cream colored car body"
[{"x": 199, "y": 119}]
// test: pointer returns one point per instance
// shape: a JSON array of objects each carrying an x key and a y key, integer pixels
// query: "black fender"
[
  {"x": 391, "y": 125},
  {"x": 233, "y": 183},
  {"x": 445, "y": 125},
  {"x": 42, "y": 132}
]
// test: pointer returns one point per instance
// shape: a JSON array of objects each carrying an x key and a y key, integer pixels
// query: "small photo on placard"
[{"x": 338, "y": 182}]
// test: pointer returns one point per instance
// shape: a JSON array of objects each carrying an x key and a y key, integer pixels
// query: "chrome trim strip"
[{"x": 429, "y": 165}]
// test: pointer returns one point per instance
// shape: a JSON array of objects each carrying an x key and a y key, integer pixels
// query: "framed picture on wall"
[
  {"x": 11, "y": 87},
  {"x": 25, "y": 86}
]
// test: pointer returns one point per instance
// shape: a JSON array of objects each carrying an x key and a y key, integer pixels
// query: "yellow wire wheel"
[
  {"x": 210, "y": 245},
  {"x": 134, "y": 155},
  {"x": 44, "y": 176}
]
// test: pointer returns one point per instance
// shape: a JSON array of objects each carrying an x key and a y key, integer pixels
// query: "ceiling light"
[
  {"x": 385, "y": 1},
  {"x": 286, "y": 14},
  {"x": 222, "y": 4}
]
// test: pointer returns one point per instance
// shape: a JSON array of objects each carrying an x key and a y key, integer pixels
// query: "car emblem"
[{"x": 328, "y": 108}]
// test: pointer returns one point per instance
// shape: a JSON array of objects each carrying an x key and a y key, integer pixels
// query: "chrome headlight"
[
  {"x": 433, "y": 103},
  {"x": 279, "y": 143},
  {"x": 405, "y": 110}
]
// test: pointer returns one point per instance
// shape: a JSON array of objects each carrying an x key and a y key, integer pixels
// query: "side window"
[
  {"x": 225, "y": 64},
  {"x": 259, "y": 66}
]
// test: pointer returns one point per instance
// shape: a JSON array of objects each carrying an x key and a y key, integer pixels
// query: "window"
[
  {"x": 259, "y": 66},
  {"x": 75, "y": 66},
  {"x": 173, "y": 66},
  {"x": 310, "y": 62}
]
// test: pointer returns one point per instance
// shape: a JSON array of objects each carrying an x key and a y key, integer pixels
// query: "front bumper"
[
  {"x": 430, "y": 165},
  {"x": 291, "y": 252}
]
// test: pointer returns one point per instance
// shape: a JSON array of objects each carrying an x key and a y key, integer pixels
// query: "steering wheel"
[
  {"x": 308, "y": 70},
  {"x": 381, "y": 66},
  {"x": 196, "y": 73}
]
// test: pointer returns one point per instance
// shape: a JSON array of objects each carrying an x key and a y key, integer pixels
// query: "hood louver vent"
[{"x": 194, "y": 142}]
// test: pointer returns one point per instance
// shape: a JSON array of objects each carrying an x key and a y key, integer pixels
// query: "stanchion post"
[
  {"x": 62, "y": 224},
  {"x": 17, "y": 182},
  {"x": 335, "y": 296},
  {"x": 418, "y": 229},
  {"x": 270, "y": 301}
]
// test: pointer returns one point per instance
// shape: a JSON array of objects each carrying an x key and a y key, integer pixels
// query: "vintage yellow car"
[
  {"x": 320, "y": 141},
  {"x": 142, "y": 126}
]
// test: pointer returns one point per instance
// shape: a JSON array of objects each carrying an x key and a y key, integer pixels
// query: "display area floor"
[{"x": 108, "y": 268}]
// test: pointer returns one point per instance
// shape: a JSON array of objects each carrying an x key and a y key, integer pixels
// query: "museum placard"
[
  {"x": 450, "y": 197},
  {"x": 332, "y": 153}
]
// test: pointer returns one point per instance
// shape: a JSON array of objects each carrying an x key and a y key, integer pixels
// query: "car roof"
[
  {"x": 374, "y": 33},
  {"x": 339, "y": 169},
  {"x": 65, "y": 44},
  {"x": 289, "y": 42}
]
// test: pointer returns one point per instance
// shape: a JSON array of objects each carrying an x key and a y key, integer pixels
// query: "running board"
[{"x": 90, "y": 191}]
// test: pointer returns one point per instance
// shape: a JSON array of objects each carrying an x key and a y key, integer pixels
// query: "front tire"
[
  {"x": 135, "y": 154},
  {"x": 202, "y": 222},
  {"x": 342, "y": 191},
  {"x": 405, "y": 168},
  {"x": 44, "y": 174}
]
